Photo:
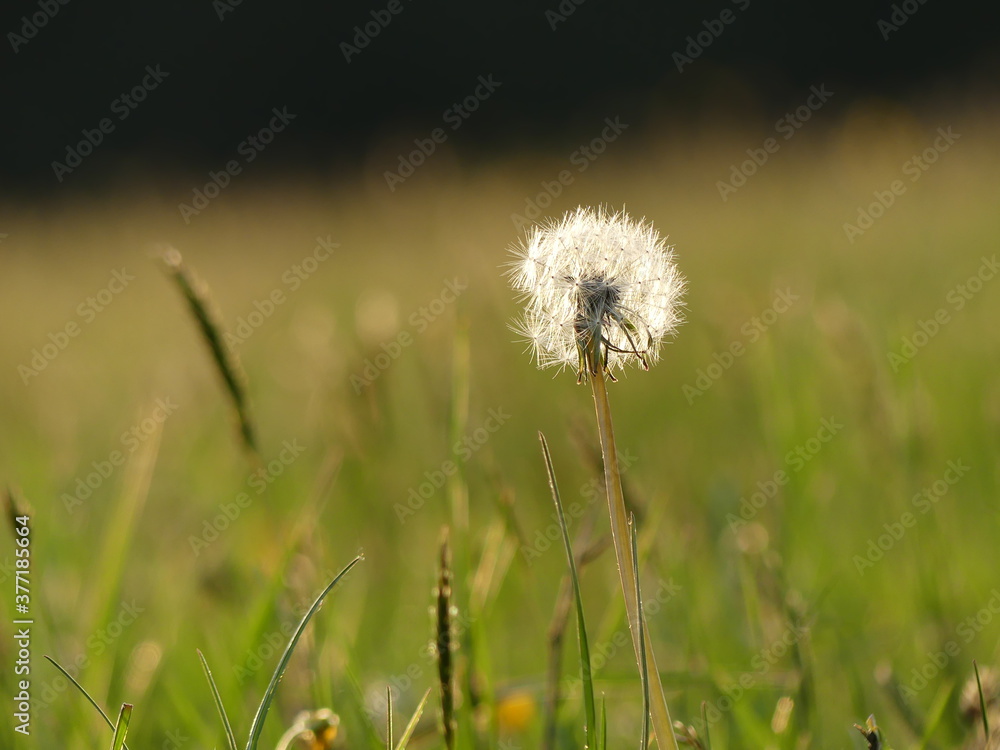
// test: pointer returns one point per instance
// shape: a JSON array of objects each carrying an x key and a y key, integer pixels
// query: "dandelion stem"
[{"x": 660, "y": 714}]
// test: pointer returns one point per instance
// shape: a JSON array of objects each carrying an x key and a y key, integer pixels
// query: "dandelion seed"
[{"x": 601, "y": 290}]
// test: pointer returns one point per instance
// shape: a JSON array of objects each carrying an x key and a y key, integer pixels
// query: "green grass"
[{"x": 778, "y": 603}]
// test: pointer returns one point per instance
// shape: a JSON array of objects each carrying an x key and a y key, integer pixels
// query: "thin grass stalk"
[
  {"x": 644, "y": 670},
  {"x": 217, "y": 697},
  {"x": 414, "y": 720},
  {"x": 446, "y": 667},
  {"x": 982, "y": 704},
  {"x": 388, "y": 718},
  {"x": 704, "y": 722},
  {"x": 586, "y": 675},
  {"x": 602, "y": 736},
  {"x": 660, "y": 714}
]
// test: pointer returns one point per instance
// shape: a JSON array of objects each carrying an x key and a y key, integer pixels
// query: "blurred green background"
[{"x": 116, "y": 582}]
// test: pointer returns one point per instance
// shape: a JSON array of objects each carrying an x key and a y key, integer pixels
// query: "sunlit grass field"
[{"x": 818, "y": 519}]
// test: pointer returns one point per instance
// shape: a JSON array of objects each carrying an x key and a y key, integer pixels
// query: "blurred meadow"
[{"x": 818, "y": 519}]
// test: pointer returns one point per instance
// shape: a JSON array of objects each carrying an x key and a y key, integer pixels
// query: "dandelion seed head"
[{"x": 596, "y": 281}]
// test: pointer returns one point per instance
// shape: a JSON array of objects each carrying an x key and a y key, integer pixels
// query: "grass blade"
[
  {"x": 936, "y": 712},
  {"x": 199, "y": 300},
  {"x": 602, "y": 737},
  {"x": 121, "y": 728},
  {"x": 581, "y": 628},
  {"x": 265, "y": 704},
  {"x": 446, "y": 676},
  {"x": 86, "y": 695},
  {"x": 119, "y": 531},
  {"x": 704, "y": 722},
  {"x": 414, "y": 720},
  {"x": 230, "y": 738},
  {"x": 644, "y": 670},
  {"x": 982, "y": 703},
  {"x": 388, "y": 718}
]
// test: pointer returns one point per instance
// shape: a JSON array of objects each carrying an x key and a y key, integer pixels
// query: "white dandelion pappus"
[{"x": 600, "y": 290}]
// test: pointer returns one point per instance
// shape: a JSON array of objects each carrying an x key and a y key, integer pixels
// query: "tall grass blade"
[
  {"x": 581, "y": 628},
  {"x": 85, "y": 694},
  {"x": 982, "y": 703},
  {"x": 446, "y": 668},
  {"x": 644, "y": 671},
  {"x": 414, "y": 720},
  {"x": 704, "y": 723},
  {"x": 196, "y": 293},
  {"x": 936, "y": 713},
  {"x": 120, "y": 529},
  {"x": 265, "y": 704},
  {"x": 602, "y": 737},
  {"x": 230, "y": 737},
  {"x": 388, "y": 718},
  {"x": 121, "y": 727}
]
